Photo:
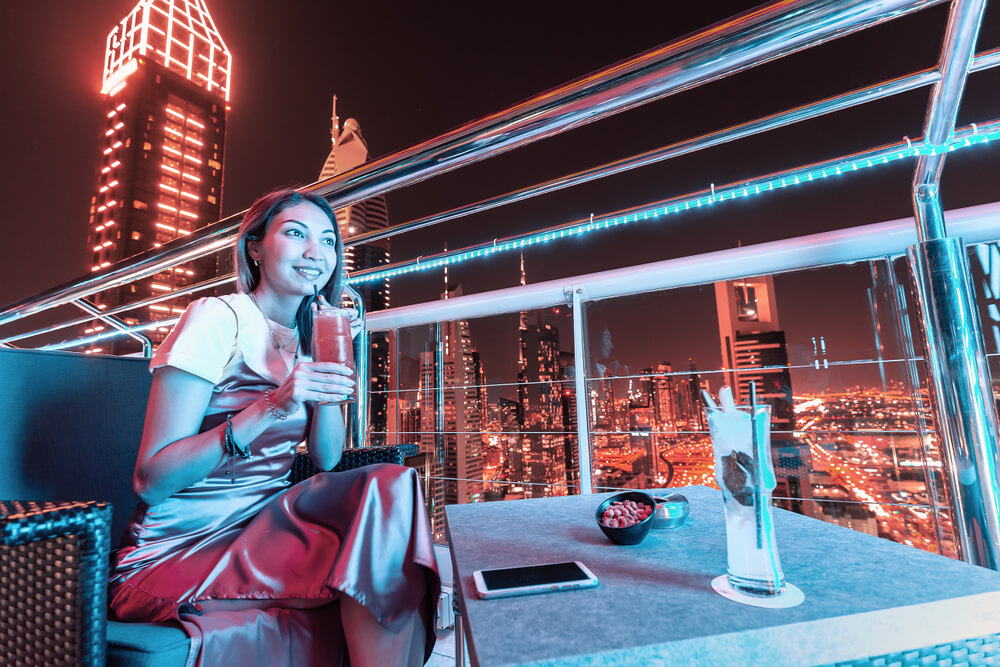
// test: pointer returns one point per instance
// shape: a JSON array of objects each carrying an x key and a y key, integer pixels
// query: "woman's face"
[{"x": 298, "y": 251}]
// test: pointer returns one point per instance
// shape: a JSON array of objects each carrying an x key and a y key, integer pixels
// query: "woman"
[{"x": 256, "y": 571}]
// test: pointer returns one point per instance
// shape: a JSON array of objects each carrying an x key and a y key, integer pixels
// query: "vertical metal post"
[
  {"x": 956, "y": 57},
  {"x": 580, "y": 352},
  {"x": 459, "y": 637},
  {"x": 966, "y": 414},
  {"x": 358, "y": 411}
]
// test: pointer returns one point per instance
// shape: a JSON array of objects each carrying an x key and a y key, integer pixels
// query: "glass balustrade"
[{"x": 835, "y": 350}]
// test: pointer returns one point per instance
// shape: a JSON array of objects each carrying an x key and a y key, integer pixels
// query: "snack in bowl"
[{"x": 625, "y": 518}]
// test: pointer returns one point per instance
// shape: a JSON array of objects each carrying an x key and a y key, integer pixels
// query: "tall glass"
[
  {"x": 745, "y": 473},
  {"x": 332, "y": 340}
]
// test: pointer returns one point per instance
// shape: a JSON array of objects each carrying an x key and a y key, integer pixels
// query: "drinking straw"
[{"x": 758, "y": 492}]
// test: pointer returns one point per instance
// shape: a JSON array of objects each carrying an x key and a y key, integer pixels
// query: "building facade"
[
  {"x": 349, "y": 150},
  {"x": 754, "y": 347},
  {"x": 159, "y": 174},
  {"x": 451, "y": 395}
]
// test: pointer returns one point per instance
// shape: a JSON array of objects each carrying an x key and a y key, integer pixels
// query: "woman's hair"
[{"x": 254, "y": 227}]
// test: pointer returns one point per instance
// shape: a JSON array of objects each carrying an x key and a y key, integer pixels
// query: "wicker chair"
[
  {"x": 70, "y": 426},
  {"x": 53, "y": 582}
]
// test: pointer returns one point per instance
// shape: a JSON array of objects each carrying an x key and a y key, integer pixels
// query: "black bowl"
[{"x": 632, "y": 534}]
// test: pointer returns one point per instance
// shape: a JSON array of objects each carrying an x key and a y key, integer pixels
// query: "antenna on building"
[{"x": 335, "y": 123}]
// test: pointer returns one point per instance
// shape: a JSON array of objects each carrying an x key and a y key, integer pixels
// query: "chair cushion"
[{"x": 146, "y": 645}]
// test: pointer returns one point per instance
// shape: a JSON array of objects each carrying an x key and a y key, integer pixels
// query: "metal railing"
[{"x": 718, "y": 51}]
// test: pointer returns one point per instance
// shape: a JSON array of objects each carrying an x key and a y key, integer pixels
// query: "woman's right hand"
[{"x": 319, "y": 381}]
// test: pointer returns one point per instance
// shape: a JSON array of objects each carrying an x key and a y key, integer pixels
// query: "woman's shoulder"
[
  {"x": 202, "y": 342},
  {"x": 228, "y": 307}
]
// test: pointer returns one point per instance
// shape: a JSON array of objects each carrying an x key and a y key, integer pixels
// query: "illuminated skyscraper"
[
  {"x": 463, "y": 423},
  {"x": 166, "y": 89},
  {"x": 348, "y": 151},
  {"x": 754, "y": 349},
  {"x": 432, "y": 436},
  {"x": 539, "y": 391},
  {"x": 753, "y": 346},
  {"x": 451, "y": 396}
]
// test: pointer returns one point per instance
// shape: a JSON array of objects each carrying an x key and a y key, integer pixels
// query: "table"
[{"x": 865, "y": 596}]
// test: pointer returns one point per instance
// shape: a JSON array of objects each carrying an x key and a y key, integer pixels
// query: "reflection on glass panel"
[
  {"x": 487, "y": 402},
  {"x": 829, "y": 349},
  {"x": 492, "y": 402},
  {"x": 984, "y": 264}
]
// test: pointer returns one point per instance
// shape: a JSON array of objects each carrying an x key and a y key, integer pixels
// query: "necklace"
[{"x": 274, "y": 337}]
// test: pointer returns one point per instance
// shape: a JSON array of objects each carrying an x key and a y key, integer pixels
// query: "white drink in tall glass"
[{"x": 747, "y": 482}]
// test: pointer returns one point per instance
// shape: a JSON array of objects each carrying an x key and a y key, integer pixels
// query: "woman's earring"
[{"x": 255, "y": 262}]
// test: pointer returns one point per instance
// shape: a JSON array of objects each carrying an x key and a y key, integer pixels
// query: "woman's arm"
[
  {"x": 326, "y": 435},
  {"x": 172, "y": 454}
]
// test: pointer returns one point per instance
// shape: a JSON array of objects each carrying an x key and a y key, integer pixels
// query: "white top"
[{"x": 214, "y": 331}]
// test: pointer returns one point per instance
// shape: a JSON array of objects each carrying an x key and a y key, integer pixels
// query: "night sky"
[{"x": 410, "y": 71}]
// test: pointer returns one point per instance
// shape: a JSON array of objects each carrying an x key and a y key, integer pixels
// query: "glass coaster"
[{"x": 791, "y": 597}]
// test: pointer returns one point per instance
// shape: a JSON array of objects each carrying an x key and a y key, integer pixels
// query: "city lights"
[{"x": 179, "y": 34}]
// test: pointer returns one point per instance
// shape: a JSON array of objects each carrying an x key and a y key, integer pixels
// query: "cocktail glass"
[
  {"x": 741, "y": 441},
  {"x": 332, "y": 340}
]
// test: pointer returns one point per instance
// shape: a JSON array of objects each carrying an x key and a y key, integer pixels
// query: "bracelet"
[
  {"x": 233, "y": 449},
  {"x": 273, "y": 410}
]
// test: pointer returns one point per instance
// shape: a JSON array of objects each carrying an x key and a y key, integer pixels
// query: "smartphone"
[{"x": 532, "y": 579}]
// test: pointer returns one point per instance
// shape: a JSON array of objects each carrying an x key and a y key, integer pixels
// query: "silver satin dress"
[{"x": 253, "y": 536}]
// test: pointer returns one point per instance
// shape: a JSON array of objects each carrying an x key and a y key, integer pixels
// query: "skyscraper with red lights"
[{"x": 166, "y": 92}]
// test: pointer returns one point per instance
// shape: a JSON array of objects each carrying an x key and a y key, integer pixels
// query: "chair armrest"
[
  {"x": 53, "y": 581},
  {"x": 303, "y": 468}
]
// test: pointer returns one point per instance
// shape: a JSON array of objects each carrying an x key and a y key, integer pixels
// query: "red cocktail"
[{"x": 332, "y": 340}]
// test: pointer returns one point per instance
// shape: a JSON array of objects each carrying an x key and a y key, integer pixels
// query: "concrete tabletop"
[{"x": 864, "y": 596}]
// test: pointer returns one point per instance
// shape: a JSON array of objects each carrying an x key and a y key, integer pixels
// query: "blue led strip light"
[{"x": 966, "y": 137}]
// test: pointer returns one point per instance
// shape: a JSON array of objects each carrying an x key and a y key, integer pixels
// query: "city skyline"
[
  {"x": 865, "y": 458},
  {"x": 838, "y": 326},
  {"x": 421, "y": 100}
]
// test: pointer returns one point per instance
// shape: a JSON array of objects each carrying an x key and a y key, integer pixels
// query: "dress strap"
[{"x": 235, "y": 317}]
